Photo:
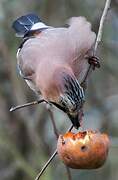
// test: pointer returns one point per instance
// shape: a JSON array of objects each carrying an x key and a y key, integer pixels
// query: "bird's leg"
[{"x": 94, "y": 61}]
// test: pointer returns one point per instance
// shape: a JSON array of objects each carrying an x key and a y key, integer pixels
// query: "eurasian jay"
[{"x": 53, "y": 61}]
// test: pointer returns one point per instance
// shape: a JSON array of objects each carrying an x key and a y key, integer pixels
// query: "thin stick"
[
  {"x": 57, "y": 135},
  {"x": 50, "y": 159},
  {"x": 46, "y": 165},
  {"x": 99, "y": 37},
  {"x": 68, "y": 173},
  {"x": 25, "y": 105},
  {"x": 102, "y": 20},
  {"x": 53, "y": 123},
  {"x": 70, "y": 128}
]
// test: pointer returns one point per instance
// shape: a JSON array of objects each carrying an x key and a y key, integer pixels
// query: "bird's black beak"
[
  {"x": 73, "y": 117},
  {"x": 75, "y": 120}
]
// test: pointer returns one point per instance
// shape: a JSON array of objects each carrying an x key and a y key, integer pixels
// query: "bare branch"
[
  {"x": 53, "y": 122},
  {"x": 68, "y": 173},
  {"x": 46, "y": 165},
  {"x": 102, "y": 20},
  {"x": 49, "y": 161},
  {"x": 25, "y": 105},
  {"x": 98, "y": 40},
  {"x": 57, "y": 135}
]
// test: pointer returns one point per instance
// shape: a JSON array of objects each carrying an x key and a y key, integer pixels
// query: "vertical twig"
[
  {"x": 102, "y": 20},
  {"x": 53, "y": 123},
  {"x": 68, "y": 173},
  {"x": 98, "y": 39},
  {"x": 57, "y": 135}
]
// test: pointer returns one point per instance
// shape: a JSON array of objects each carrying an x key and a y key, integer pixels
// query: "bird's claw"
[{"x": 94, "y": 61}]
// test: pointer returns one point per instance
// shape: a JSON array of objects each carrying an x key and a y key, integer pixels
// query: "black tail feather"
[{"x": 23, "y": 24}]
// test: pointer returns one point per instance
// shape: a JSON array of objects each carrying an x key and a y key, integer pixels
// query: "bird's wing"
[
  {"x": 38, "y": 55},
  {"x": 57, "y": 46},
  {"x": 47, "y": 48},
  {"x": 26, "y": 64},
  {"x": 82, "y": 39}
]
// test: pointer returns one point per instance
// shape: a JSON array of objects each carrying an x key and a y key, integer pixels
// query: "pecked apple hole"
[
  {"x": 82, "y": 135},
  {"x": 83, "y": 148},
  {"x": 63, "y": 141}
]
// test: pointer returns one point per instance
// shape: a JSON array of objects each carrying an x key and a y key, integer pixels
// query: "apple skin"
[{"x": 84, "y": 150}]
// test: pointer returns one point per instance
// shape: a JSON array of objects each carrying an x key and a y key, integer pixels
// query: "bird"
[{"x": 54, "y": 60}]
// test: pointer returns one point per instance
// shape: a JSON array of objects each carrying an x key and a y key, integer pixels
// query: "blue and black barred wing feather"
[
  {"x": 74, "y": 92},
  {"x": 23, "y": 24}
]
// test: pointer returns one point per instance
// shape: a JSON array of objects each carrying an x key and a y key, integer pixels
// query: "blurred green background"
[{"x": 26, "y": 136}]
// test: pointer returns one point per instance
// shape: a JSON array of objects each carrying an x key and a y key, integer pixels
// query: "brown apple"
[{"x": 84, "y": 150}]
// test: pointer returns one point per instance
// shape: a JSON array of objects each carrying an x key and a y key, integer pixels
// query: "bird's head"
[
  {"x": 71, "y": 97},
  {"x": 28, "y": 25}
]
